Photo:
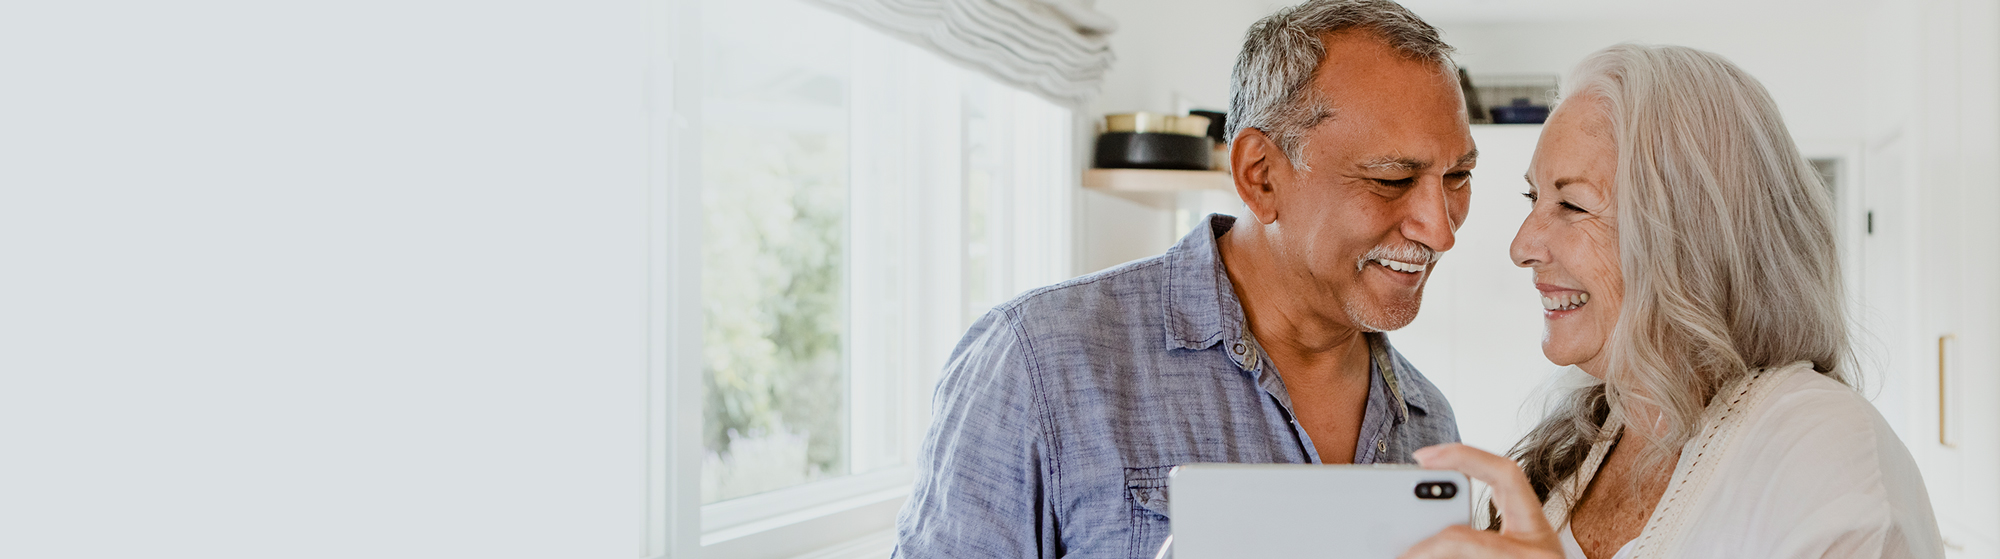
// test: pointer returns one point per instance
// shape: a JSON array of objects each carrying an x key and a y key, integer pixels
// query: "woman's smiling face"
[{"x": 1570, "y": 238}]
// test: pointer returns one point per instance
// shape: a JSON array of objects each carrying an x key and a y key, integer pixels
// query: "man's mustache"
[{"x": 1414, "y": 253}]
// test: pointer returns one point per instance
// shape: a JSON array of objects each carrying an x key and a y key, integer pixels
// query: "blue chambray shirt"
[{"x": 1060, "y": 412}]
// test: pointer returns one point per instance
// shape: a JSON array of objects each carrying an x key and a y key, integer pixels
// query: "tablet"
[{"x": 1304, "y": 510}]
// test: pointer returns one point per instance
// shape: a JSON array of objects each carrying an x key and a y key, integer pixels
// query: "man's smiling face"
[{"x": 1384, "y": 186}]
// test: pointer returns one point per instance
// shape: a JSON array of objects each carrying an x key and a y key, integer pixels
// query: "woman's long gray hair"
[{"x": 1726, "y": 241}]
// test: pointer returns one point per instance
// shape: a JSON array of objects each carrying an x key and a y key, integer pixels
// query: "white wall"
[
  {"x": 356, "y": 279},
  {"x": 1811, "y": 65},
  {"x": 1478, "y": 336},
  {"x": 1174, "y": 54},
  {"x": 1932, "y": 72}
]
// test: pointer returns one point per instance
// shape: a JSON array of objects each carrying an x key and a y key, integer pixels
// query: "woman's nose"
[{"x": 1529, "y": 249}]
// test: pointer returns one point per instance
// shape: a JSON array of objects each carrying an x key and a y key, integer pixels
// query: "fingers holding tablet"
[
  {"x": 1461, "y": 542},
  {"x": 1524, "y": 532}
]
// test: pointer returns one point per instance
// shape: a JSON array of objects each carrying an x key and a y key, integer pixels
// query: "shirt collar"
[
  {"x": 1201, "y": 305},
  {"x": 1202, "y": 310},
  {"x": 1389, "y": 364}
]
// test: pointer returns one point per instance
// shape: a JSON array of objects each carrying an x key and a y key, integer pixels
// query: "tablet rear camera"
[{"x": 1437, "y": 490}]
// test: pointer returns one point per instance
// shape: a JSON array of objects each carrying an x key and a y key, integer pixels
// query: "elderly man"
[{"x": 1252, "y": 340}]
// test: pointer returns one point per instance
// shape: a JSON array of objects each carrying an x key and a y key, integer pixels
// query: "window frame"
[
  {"x": 673, "y": 401},
  {"x": 851, "y": 514}
]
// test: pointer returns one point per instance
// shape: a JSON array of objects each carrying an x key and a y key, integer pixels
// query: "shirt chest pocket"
[{"x": 1146, "y": 496}]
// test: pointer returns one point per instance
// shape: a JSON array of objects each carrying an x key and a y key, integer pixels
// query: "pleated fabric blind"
[{"x": 1055, "y": 48}]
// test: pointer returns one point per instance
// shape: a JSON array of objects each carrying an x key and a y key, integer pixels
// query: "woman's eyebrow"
[{"x": 1565, "y": 181}]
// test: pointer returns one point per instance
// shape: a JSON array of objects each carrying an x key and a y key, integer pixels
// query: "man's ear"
[{"x": 1254, "y": 161}]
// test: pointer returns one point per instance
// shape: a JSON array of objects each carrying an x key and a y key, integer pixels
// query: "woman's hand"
[{"x": 1524, "y": 533}]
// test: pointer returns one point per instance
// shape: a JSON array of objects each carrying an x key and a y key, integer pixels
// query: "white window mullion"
[
  {"x": 1002, "y": 281},
  {"x": 880, "y": 275},
  {"x": 938, "y": 193},
  {"x": 1044, "y": 185},
  {"x": 674, "y": 368}
]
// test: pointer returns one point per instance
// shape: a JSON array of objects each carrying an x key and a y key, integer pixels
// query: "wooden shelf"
[{"x": 1156, "y": 180}]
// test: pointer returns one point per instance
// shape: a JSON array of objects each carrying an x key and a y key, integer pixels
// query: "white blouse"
[{"x": 1787, "y": 464}]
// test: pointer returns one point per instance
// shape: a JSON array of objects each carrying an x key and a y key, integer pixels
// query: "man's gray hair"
[{"x": 1270, "y": 89}]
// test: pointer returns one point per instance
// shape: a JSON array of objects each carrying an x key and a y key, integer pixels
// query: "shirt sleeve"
[{"x": 982, "y": 488}]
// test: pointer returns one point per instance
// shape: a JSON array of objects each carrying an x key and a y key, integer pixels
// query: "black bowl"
[{"x": 1153, "y": 150}]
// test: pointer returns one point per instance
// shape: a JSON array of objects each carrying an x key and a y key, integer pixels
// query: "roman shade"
[{"x": 1054, "y": 48}]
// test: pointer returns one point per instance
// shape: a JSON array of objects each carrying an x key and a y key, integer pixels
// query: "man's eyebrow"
[
  {"x": 1393, "y": 163},
  {"x": 1412, "y": 164}
]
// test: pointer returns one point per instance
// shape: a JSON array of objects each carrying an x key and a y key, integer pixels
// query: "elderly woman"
[{"x": 1685, "y": 255}]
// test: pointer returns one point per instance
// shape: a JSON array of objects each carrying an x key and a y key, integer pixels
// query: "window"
[
  {"x": 861, "y": 201},
  {"x": 774, "y": 153}
]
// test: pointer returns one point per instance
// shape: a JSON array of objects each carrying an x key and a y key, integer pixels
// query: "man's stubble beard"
[{"x": 1393, "y": 316}]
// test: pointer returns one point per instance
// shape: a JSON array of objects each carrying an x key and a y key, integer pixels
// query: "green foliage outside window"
[{"x": 775, "y": 205}]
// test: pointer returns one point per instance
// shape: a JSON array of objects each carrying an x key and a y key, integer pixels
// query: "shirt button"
[
  {"x": 1238, "y": 348},
  {"x": 1381, "y": 445}
]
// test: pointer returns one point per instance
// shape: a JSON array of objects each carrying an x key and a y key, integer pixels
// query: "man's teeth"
[
  {"x": 1404, "y": 267},
  {"x": 1565, "y": 302}
]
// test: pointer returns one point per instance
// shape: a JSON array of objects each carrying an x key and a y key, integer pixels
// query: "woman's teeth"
[
  {"x": 1403, "y": 267},
  {"x": 1564, "y": 302}
]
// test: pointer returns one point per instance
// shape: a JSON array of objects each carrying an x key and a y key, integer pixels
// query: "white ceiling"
[{"x": 1472, "y": 11}]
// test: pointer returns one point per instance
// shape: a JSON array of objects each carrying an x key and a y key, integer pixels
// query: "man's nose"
[{"x": 1429, "y": 218}]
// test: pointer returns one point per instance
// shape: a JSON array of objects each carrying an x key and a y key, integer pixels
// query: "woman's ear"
[{"x": 1253, "y": 161}]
